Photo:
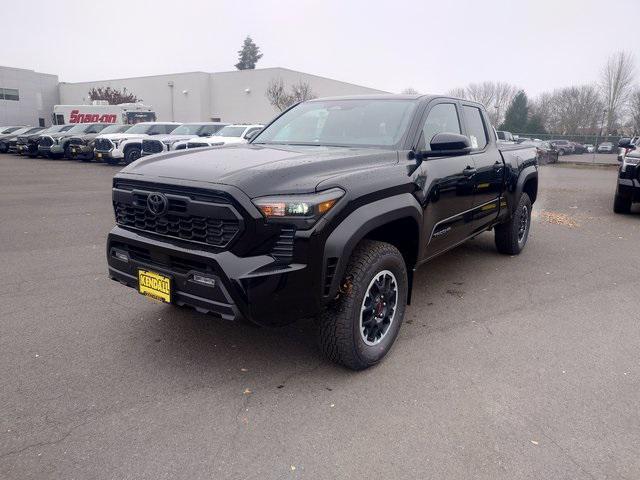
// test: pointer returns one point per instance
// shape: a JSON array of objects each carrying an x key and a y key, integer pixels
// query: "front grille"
[
  {"x": 193, "y": 214},
  {"x": 197, "y": 145},
  {"x": 103, "y": 144},
  {"x": 283, "y": 249},
  {"x": 45, "y": 141},
  {"x": 217, "y": 233},
  {"x": 12, "y": 143},
  {"x": 152, "y": 146},
  {"x": 77, "y": 141}
]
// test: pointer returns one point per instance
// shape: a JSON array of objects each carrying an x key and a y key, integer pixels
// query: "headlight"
[
  {"x": 303, "y": 210},
  {"x": 633, "y": 161}
]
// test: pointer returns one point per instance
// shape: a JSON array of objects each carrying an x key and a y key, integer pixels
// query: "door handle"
[{"x": 469, "y": 171}]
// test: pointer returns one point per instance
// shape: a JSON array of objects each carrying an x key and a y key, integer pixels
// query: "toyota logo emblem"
[{"x": 157, "y": 203}]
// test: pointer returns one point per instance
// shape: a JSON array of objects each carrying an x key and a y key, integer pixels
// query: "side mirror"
[
  {"x": 447, "y": 145},
  {"x": 624, "y": 142},
  {"x": 251, "y": 135}
]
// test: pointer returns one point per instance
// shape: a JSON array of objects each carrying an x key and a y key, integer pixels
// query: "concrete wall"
[
  {"x": 212, "y": 95},
  {"x": 190, "y": 92},
  {"x": 231, "y": 102},
  {"x": 38, "y": 94}
]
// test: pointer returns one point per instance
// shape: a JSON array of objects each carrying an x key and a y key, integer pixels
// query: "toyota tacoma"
[{"x": 326, "y": 213}]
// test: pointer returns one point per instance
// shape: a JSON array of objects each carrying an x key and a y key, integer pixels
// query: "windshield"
[
  {"x": 34, "y": 130},
  {"x": 78, "y": 128},
  {"x": 12, "y": 129},
  {"x": 186, "y": 129},
  {"x": 360, "y": 122},
  {"x": 230, "y": 131},
  {"x": 140, "y": 128},
  {"x": 116, "y": 129}
]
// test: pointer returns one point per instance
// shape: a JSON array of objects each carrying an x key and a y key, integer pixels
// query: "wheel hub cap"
[{"x": 378, "y": 307}]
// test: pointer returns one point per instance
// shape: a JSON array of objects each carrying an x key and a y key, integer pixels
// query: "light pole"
[{"x": 170, "y": 83}]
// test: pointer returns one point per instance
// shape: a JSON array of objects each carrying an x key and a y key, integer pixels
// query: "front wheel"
[
  {"x": 359, "y": 328},
  {"x": 131, "y": 154},
  {"x": 511, "y": 237}
]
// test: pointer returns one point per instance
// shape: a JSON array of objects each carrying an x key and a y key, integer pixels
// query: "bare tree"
[
  {"x": 282, "y": 99},
  {"x": 410, "y": 91},
  {"x": 634, "y": 110},
  {"x": 570, "y": 110},
  {"x": 458, "y": 92},
  {"x": 616, "y": 85},
  {"x": 113, "y": 95},
  {"x": 301, "y": 91},
  {"x": 495, "y": 96}
]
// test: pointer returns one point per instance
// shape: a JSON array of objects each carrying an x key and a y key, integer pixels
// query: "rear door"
[
  {"x": 447, "y": 192},
  {"x": 487, "y": 180}
]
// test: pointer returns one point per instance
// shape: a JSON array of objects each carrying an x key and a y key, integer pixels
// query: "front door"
[{"x": 446, "y": 183}]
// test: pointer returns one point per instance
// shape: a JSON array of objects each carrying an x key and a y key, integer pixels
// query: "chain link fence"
[{"x": 582, "y": 139}]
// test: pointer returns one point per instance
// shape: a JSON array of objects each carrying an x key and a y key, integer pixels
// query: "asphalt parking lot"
[{"x": 506, "y": 367}]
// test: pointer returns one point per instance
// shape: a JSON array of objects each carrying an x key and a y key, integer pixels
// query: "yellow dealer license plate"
[
  {"x": 154, "y": 285},
  {"x": 99, "y": 155}
]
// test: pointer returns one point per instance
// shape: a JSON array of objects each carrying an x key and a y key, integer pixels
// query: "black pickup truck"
[{"x": 327, "y": 213}]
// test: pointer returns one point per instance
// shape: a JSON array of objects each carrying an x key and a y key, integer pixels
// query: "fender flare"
[
  {"x": 528, "y": 173},
  {"x": 343, "y": 240}
]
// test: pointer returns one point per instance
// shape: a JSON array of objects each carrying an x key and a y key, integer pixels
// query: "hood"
[
  {"x": 261, "y": 170},
  {"x": 172, "y": 138},
  {"x": 60, "y": 134},
  {"x": 85, "y": 136},
  {"x": 121, "y": 136},
  {"x": 216, "y": 139}
]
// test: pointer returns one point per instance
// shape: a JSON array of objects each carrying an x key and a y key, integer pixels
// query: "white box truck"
[{"x": 124, "y": 113}]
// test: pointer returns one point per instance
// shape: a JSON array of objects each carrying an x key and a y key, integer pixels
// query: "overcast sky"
[{"x": 431, "y": 46}]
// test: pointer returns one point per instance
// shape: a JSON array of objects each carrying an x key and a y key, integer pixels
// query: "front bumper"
[
  {"x": 629, "y": 188},
  {"x": 113, "y": 154},
  {"x": 253, "y": 287},
  {"x": 81, "y": 152}
]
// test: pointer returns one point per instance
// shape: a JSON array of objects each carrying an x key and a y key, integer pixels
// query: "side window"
[
  {"x": 475, "y": 126},
  {"x": 441, "y": 118}
]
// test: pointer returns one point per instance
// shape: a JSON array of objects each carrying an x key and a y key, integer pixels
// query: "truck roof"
[{"x": 394, "y": 96}]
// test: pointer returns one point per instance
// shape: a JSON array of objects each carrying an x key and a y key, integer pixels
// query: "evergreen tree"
[
  {"x": 535, "y": 124},
  {"x": 248, "y": 55},
  {"x": 517, "y": 116}
]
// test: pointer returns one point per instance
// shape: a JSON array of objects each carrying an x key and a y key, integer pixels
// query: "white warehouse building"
[{"x": 232, "y": 97}]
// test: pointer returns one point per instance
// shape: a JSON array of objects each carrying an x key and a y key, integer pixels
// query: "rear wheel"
[
  {"x": 511, "y": 237},
  {"x": 621, "y": 204},
  {"x": 359, "y": 328}
]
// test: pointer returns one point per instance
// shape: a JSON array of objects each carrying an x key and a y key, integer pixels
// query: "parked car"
[
  {"x": 10, "y": 129},
  {"x": 578, "y": 148},
  {"x": 628, "y": 187},
  {"x": 230, "y": 134},
  {"x": 505, "y": 136},
  {"x": 5, "y": 137},
  {"x": 589, "y": 147},
  {"x": 81, "y": 146},
  {"x": 326, "y": 213},
  {"x": 605, "y": 147},
  {"x": 10, "y": 143},
  {"x": 546, "y": 153},
  {"x": 563, "y": 147},
  {"x": 630, "y": 142},
  {"x": 187, "y": 131},
  {"x": 56, "y": 145},
  {"x": 28, "y": 143},
  {"x": 116, "y": 147}
]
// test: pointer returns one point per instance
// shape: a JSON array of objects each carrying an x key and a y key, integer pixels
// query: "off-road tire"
[
  {"x": 621, "y": 204},
  {"x": 131, "y": 154},
  {"x": 340, "y": 336},
  {"x": 507, "y": 235}
]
